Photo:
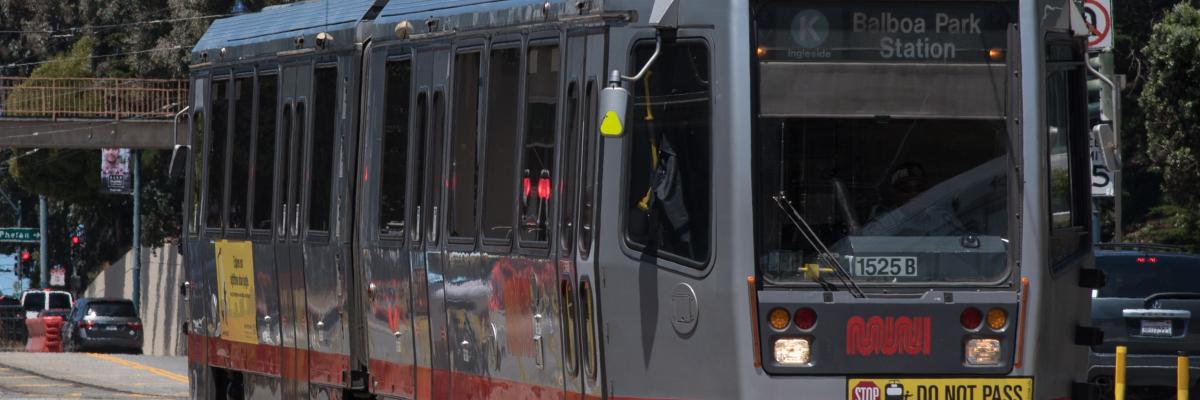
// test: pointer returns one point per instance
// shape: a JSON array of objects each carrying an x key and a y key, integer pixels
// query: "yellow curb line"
[{"x": 163, "y": 373}]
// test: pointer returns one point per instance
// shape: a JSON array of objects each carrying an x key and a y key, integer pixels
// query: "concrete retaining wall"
[{"x": 162, "y": 307}]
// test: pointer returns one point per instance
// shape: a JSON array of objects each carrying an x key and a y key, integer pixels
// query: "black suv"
[{"x": 1147, "y": 305}]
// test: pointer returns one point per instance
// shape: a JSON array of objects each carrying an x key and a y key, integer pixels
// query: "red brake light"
[
  {"x": 1141, "y": 260},
  {"x": 86, "y": 324},
  {"x": 135, "y": 326},
  {"x": 971, "y": 318},
  {"x": 805, "y": 318},
  {"x": 1153, "y": 260}
]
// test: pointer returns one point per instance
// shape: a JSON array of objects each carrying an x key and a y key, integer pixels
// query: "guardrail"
[{"x": 91, "y": 98}]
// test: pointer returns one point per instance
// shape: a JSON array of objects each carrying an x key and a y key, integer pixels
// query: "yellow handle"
[
  {"x": 1119, "y": 374},
  {"x": 1181, "y": 376}
]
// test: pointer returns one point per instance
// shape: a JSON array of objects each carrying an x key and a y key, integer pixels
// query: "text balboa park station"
[{"x": 894, "y": 47}]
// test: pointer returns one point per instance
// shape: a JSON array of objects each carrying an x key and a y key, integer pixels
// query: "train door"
[
  {"x": 194, "y": 289},
  {"x": 465, "y": 280},
  {"x": 586, "y": 271},
  {"x": 324, "y": 264},
  {"x": 427, "y": 262},
  {"x": 382, "y": 226},
  {"x": 568, "y": 195},
  {"x": 289, "y": 262}
]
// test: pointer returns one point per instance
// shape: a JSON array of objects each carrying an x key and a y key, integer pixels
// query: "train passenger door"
[
  {"x": 324, "y": 263},
  {"x": 433, "y": 379},
  {"x": 581, "y": 306},
  {"x": 383, "y": 223},
  {"x": 568, "y": 195},
  {"x": 294, "y": 94}
]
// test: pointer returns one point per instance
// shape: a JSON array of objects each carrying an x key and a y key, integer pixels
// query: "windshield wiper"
[{"x": 813, "y": 240}]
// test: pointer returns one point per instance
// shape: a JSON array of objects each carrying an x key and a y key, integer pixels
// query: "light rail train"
[{"x": 636, "y": 199}]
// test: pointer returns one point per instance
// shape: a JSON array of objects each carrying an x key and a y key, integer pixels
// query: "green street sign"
[{"x": 20, "y": 235}]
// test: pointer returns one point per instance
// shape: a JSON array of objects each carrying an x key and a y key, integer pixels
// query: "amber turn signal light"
[
  {"x": 997, "y": 319},
  {"x": 779, "y": 318}
]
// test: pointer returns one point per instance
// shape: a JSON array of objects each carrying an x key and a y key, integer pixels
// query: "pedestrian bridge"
[{"x": 91, "y": 112}]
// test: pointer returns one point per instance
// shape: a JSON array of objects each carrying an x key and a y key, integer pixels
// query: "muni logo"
[{"x": 888, "y": 336}]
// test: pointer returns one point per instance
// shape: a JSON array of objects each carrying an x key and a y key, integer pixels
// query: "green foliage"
[
  {"x": 1173, "y": 134},
  {"x": 1170, "y": 224},
  {"x": 45, "y": 96}
]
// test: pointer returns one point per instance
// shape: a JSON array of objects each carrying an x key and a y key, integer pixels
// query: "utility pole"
[
  {"x": 137, "y": 230},
  {"x": 44, "y": 254}
]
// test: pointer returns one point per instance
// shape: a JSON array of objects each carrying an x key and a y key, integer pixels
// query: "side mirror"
[
  {"x": 614, "y": 101},
  {"x": 179, "y": 158}
]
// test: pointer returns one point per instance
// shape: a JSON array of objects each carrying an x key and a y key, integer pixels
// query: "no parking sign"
[{"x": 1098, "y": 15}]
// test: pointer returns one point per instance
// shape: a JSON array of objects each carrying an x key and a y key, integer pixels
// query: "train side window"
[
  {"x": 239, "y": 163},
  {"x": 541, "y": 107},
  {"x": 669, "y": 197},
  {"x": 264, "y": 151},
  {"x": 197, "y": 169},
  {"x": 588, "y": 177},
  {"x": 464, "y": 174},
  {"x": 322, "y": 147},
  {"x": 1066, "y": 137},
  {"x": 285, "y": 148},
  {"x": 418, "y": 169},
  {"x": 437, "y": 132},
  {"x": 219, "y": 130},
  {"x": 297, "y": 169},
  {"x": 569, "y": 177},
  {"x": 501, "y": 140},
  {"x": 393, "y": 161}
]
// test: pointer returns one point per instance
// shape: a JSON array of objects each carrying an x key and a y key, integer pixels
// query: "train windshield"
[{"x": 883, "y": 137}]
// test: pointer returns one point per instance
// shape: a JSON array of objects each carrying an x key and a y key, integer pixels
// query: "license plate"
[
  {"x": 1157, "y": 327},
  {"x": 110, "y": 328},
  {"x": 884, "y": 266},
  {"x": 939, "y": 388}
]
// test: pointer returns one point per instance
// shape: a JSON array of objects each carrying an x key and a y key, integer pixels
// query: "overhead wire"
[{"x": 85, "y": 28}]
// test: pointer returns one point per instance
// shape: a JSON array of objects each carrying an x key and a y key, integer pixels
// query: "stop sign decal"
[{"x": 866, "y": 390}]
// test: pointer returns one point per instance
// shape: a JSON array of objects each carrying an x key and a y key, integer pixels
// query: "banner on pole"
[{"x": 114, "y": 171}]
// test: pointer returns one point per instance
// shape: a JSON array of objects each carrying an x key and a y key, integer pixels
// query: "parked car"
[
  {"x": 12, "y": 322},
  {"x": 36, "y": 301},
  {"x": 97, "y": 324},
  {"x": 1147, "y": 305}
]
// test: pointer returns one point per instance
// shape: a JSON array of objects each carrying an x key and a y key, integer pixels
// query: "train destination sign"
[{"x": 889, "y": 32}]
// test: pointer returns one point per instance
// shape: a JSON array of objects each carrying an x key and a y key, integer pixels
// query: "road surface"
[{"x": 91, "y": 376}]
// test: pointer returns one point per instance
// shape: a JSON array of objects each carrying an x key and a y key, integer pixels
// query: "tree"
[{"x": 1172, "y": 108}]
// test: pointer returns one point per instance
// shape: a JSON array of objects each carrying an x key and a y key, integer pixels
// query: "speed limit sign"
[{"x": 1098, "y": 16}]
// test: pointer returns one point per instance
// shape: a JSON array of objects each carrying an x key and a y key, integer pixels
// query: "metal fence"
[{"x": 91, "y": 98}]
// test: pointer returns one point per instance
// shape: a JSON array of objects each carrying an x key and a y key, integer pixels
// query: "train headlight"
[
  {"x": 792, "y": 351},
  {"x": 983, "y": 352}
]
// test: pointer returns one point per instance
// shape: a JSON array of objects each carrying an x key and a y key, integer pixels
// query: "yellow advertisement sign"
[
  {"x": 235, "y": 291},
  {"x": 940, "y": 389}
]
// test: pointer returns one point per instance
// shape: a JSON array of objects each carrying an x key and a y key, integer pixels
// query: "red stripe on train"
[{"x": 395, "y": 379}]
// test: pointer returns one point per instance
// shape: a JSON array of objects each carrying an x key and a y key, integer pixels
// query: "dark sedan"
[
  {"x": 103, "y": 325},
  {"x": 1151, "y": 296}
]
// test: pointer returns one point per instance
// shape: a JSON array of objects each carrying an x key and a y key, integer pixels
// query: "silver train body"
[{"x": 414, "y": 199}]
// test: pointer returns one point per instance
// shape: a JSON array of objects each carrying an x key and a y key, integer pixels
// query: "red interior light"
[
  {"x": 544, "y": 188},
  {"x": 526, "y": 187},
  {"x": 971, "y": 318},
  {"x": 805, "y": 318}
]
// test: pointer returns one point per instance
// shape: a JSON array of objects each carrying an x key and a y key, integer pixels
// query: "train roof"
[
  {"x": 276, "y": 28},
  {"x": 285, "y": 22}
]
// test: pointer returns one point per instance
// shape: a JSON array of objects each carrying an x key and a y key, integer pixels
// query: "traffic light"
[
  {"x": 1100, "y": 95},
  {"x": 24, "y": 265}
]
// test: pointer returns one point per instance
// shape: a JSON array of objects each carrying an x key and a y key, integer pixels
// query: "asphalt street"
[{"x": 91, "y": 376}]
